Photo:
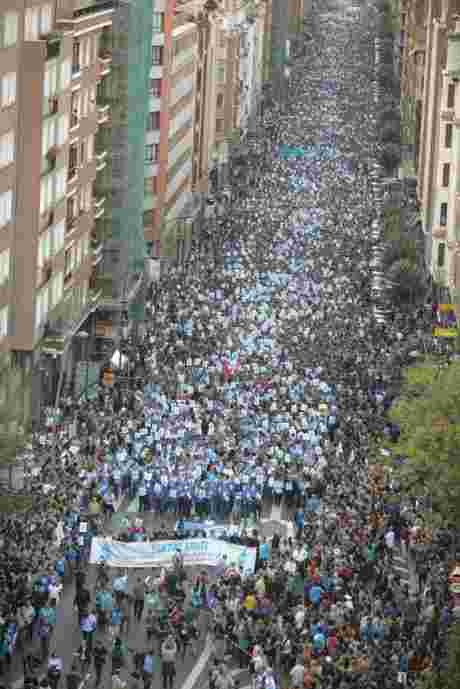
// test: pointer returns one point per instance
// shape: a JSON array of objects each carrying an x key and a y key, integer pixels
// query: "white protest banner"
[{"x": 195, "y": 551}]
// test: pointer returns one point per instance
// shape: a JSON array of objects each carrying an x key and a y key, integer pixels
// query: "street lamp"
[{"x": 83, "y": 336}]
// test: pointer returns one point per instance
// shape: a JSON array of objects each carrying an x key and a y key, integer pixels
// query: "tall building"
[
  {"x": 168, "y": 158},
  {"x": 73, "y": 112},
  {"x": 51, "y": 58},
  {"x": 430, "y": 70}
]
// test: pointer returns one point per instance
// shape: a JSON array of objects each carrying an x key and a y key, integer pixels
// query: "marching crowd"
[{"x": 266, "y": 378}]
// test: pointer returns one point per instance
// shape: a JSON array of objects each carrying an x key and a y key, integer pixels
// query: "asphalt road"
[{"x": 66, "y": 639}]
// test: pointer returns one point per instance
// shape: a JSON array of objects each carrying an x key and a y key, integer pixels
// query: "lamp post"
[{"x": 83, "y": 336}]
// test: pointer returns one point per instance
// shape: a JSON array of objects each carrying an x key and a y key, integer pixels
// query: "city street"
[{"x": 271, "y": 380}]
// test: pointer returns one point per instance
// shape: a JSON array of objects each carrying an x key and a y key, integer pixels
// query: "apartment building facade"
[
  {"x": 430, "y": 70},
  {"x": 51, "y": 60}
]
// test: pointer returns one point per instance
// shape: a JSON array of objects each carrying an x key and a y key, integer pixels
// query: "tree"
[
  {"x": 448, "y": 675},
  {"x": 428, "y": 414},
  {"x": 14, "y": 424}
]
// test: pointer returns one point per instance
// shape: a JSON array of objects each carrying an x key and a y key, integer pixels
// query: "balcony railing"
[
  {"x": 101, "y": 161},
  {"x": 103, "y": 113},
  {"x": 72, "y": 173},
  {"x": 70, "y": 224}
]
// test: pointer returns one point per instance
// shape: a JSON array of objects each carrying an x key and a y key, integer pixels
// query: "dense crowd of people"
[{"x": 266, "y": 379}]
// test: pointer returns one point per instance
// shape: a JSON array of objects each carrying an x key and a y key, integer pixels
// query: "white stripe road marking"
[{"x": 199, "y": 665}]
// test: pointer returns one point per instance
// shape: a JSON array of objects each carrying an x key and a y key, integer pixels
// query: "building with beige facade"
[
  {"x": 430, "y": 74},
  {"x": 51, "y": 61}
]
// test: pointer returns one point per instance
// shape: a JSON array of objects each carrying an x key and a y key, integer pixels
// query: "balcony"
[
  {"x": 101, "y": 160},
  {"x": 98, "y": 206},
  {"x": 104, "y": 285},
  {"x": 72, "y": 174},
  {"x": 103, "y": 113},
  {"x": 94, "y": 295},
  {"x": 51, "y": 106},
  {"x": 448, "y": 115},
  {"x": 97, "y": 250},
  {"x": 44, "y": 273},
  {"x": 53, "y": 44},
  {"x": 70, "y": 224},
  {"x": 105, "y": 59},
  {"x": 439, "y": 232}
]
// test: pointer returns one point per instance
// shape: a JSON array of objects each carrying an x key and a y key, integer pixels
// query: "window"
[
  {"x": 68, "y": 262},
  {"x": 57, "y": 288},
  {"x": 443, "y": 215},
  {"x": 46, "y": 193},
  {"x": 84, "y": 103},
  {"x": 445, "y": 174},
  {"x": 6, "y": 207},
  {"x": 4, "y": 266},
  {"x": 44, "y": 249},
  {"x": 448, "y": 136},
  {"x": 451, "y": 96},
  {"x": 6, "y": 149},
  {"x": 441, "y": 255},
  {"x": 41, "y": 307},
  {"x": 62, "y": 130},
  {"x": 76, "y": 57},
  {"x": 220, "y": 100},
  {"x": 66, "y": 74},
  {"x": 90, "y": 147},
  {"x": 157, "y": 55},
  {"x": 155, "y": 88},
  {"x": 4, "y": 322},
  {"x": 8, "y": 90},
  {"x": 32, "y": 24},
  {"x": 72, "y": 209},
  {"x": 8, "y": 29},
  {"x": 82, "y": 153},
  {"x": 87, "y": 196},
  {"x": 92, "y": 99},
  {"x": 86, "y": 52},
  {"x": 61, "y": 181},
  {"x": 219, "y": 126},
  {"x": 220, "y": 72},
  {"x": 157, "y": 26},
  {"x": 73, "y": 160},
  {"x": 46, "y": 19},
  {"x": 58, "y": 237},
  {"x": 50, "y": 81},
  {"x": 222, "y": 39},
  {"x": 153, "y": 121},
  {"x": 152, "y": 153},
  {"x": 48, "y": 135},
  {"x": 74, "y": 109}
]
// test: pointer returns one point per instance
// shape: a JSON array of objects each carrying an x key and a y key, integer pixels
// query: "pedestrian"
[
  {"x": 139, "y": 598},
  {"x": 88, "y": 625},
  {"x": 168, "y": 662},
  {"x": 55, "y": 668},
  {"x": 99, "y": 659},
  {"x": 73, "y": 678},
  {"x": 147, "y": 669}
]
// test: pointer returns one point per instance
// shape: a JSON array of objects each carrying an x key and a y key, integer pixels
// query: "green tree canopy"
[
  {"x": 13, "y": 429},
  {"x": 428, "y": 413}
]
